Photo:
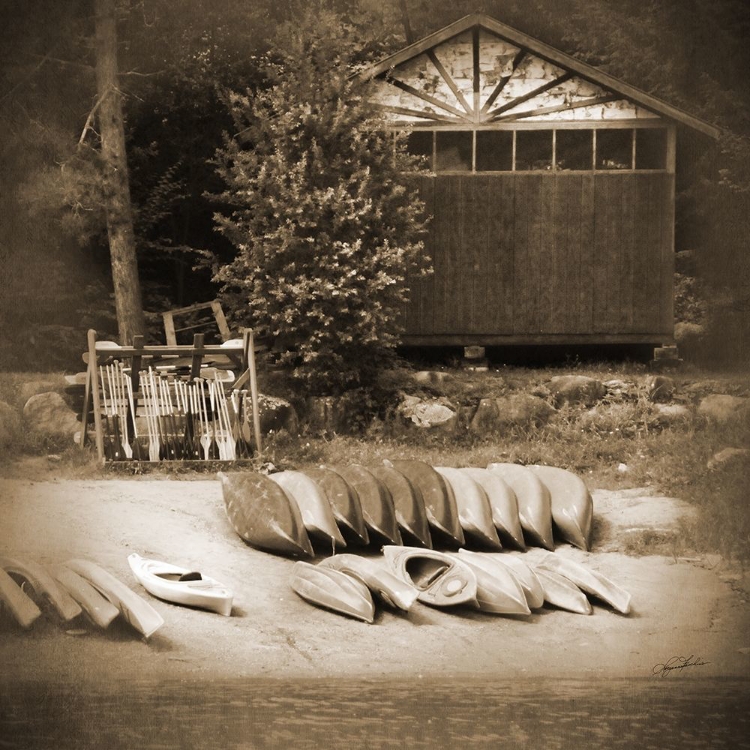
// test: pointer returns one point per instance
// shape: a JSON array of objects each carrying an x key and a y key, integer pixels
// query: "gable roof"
[{"x": 546, "y": 52}]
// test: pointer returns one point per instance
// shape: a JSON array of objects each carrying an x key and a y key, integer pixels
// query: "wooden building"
[{"x": 552, "y": 189}]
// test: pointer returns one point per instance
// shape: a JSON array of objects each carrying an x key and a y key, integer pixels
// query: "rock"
[
  {"x": 48, "y": 414},
  {"x": 622, "y": 468},
  {"x": 727, "y": 456},
  {"x": 723, "y": 408},
  {"x": 672, "y": 413},
  {"x": 486, "y": 418},
  {"x": 430, "y": 377},
  {"x": 277, "y": 414},
  {"x": 576, "y": 389},
  {"x": 10, "y": 423},
  {"x": 521, "y": 409},
  {"x": 34, "y": 387},
  {"x": 435, "y": 413},
  {"x": 660, "y": 389},
  {"x": 619, "y": 390}
]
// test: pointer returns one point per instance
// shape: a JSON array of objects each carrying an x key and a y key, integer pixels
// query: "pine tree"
[{"x": 324, "y": 224}]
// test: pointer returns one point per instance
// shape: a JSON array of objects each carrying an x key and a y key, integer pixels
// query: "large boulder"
[
  {"x": 660, "y": 389},
  {"x": 723, "y": 408},
  {"x": 48, "y": 414},
  {"x": 670, "y": 414},
  {"x": 10, "y": 423},
  {"x": 429, "y": 414},
  {"x": 514, "y": 410},
  {"x": 576, "y": 389},
  {"x": 729, "y": 456},
  {"x": 43, "y": 385}
]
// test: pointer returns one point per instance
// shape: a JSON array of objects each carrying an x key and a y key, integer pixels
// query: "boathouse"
[{"x": 552, "y": 190}]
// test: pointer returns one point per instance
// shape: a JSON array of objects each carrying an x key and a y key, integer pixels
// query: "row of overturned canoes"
[
  {"x": 496, "y": 584},
  {"x": 409, "y": 502}
]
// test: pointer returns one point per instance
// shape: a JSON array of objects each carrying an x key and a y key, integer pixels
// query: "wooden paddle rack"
[{"x": 184, "y": 364}]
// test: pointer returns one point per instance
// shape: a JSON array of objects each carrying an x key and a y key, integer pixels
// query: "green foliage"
[{"x": 319, "y": 211}]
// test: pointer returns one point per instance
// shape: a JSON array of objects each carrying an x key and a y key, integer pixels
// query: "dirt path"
[{"x": 681, "y": 607}]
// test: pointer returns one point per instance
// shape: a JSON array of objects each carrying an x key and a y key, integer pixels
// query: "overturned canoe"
[
  {"x": 344, "y": 501},
  {"x": 474, "y": 510},
  {"x": 381, "y": 582},
  {"x": 498, "y": 590},
  {"x": 332, "y": 589},
  {"x": 590, "y": 581},
  {"x": 562, "y": 593},
  {"x": 135, "y": 610},
  {"x": 44, "y": 585},
  {"x": 262, "y": 513},
  {"x": 407, "y": 502},
  {"x": 439, "y": 503},
  {"x": 313, "y": 504},
  {"x": 377, "y": 503},
  {"x": 21, "y": 606},
  {"x": 181, "y": 585},
  {"x": 526, "y": 576},
  {"x": 100, "y": 610},
  {"x": 571, "y": 504},
  {"x": 504, "y": 506},
  {"x": 442, "y": 580},
  {"x": 534, "y": 505}
]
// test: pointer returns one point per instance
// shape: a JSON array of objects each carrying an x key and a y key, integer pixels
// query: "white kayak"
[{"x": 181, "y": 585}]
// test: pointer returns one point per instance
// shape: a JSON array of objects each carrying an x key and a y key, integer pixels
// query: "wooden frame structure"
[
  {"x": 529, "y": 250},
  {"x": 101, "y": 353},
  {"x": 218, "y": 316}
]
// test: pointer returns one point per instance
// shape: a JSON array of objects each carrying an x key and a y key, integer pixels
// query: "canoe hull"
[
  {"x": 99, "y": 609},
  {"x": 407, "y": 502},
  {"x": 498, "y": 591},
  {"x": 571, "y": 504},
  {"x": 534, "y": 504},
  {"x": 333, "y": 590},
  {"x": 561, "y": 593},
  {"x": 21, "y": 606},
  {"x": 205, "y": 593},
  {"x": 344, "y": 502},
  {"x": 263, "y": 514},
  {"x": 439, "y": 502},
  {"x": 381, "y": 582}
]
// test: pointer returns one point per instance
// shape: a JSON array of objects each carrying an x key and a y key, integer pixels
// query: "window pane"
[
  {"x": 650, "y": 149},
  {"x": 494, "y": 150},
  {"x": 575, "y": 149},
  {"x": 533, "y": 149},
  {"x": 419, "y": 143},
  {"x": 614, "y": 149},
  {"x": 453, "y": 151}
]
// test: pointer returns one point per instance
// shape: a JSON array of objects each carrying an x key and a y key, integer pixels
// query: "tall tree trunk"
[{"x": 128, "y": 300}]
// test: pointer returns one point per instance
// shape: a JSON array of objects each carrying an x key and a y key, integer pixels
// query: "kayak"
[
  {"x": 441, "y": 580},
  {"x": 344, "y": 501},
  {"x": 408, "y": 503},
  {"x": 504, "y": 506},
  {"x": 332, "y": 589},
  {"x": 262, "y": 513},
  {"x": 439, "y": 503},
  {"x": 498, "y": 590},
  {"x": 44, "y": 585},
  {"x": 590, "y": 581},
  {"x": 560, "y": 592},
  {"x": 382, "y": 582},
  {"x": 313, "y": 504},
  {"x": 181, "y": 585},
  {"x": 496, "y": 565},
  {"x": 100, "y": 610},
  {"x": 571, "y": 504},
  {"x": 534, "y": 505},
  {"x": 135, "y": 610},
  {"x": 377, "y": 503},
  {"x": 21, "y": 606},
  {"x": 474, "y": 510}
]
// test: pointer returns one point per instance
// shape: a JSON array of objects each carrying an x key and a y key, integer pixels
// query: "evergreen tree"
[{"x": 324, "y": 224}]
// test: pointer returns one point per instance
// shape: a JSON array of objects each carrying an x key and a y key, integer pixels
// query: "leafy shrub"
[{"x": 319, "y": 210}]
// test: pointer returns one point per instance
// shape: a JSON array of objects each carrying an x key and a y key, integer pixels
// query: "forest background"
[{"x": 179, "y": 60}]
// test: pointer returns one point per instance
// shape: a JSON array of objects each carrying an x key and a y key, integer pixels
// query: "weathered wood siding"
[{"x": 530, "y": 257}]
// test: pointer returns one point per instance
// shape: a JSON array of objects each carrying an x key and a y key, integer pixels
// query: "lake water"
[{"x": 659, "y": 713}]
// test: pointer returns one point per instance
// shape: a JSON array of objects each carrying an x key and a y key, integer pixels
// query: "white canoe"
[
  {"x": 332, "y": 589},
  {"x": 562, "y": 593},
  {"x": 498, "y": 590},
  {"x": 100, "y": 610},
  {"x": 590, "y": 581},
  {"x": 181, "y": 585},
  {"x": 21, "y": 606}
]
